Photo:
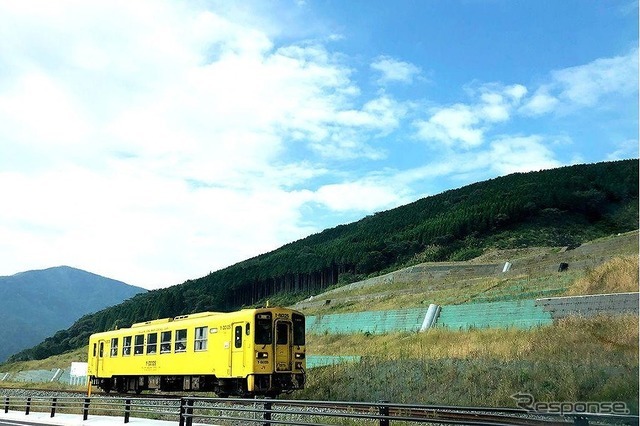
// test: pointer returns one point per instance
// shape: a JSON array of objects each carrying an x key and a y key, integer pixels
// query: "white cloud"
[
  {"x": 503, "y": 155},
  {"x": 464, "y": 126},
  {"x": 540, "y": 103},
  {"x": 513, "y": 154},
  {"x": 158, "y": 138},
  {"x": 624, "y": 149},
  {"x": 585, "y": 85},
  {"x": 455, "y": 124},
  {"x": 588, "y": 85},
  {"x": 365, "y": 195},
  {"x": 394, "y": 71}
]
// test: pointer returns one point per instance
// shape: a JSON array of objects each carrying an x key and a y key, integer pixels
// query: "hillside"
[
  {"x": 585, "y": 359},
  {"x": 579, "y": 358},
  {"x": 562, "y": 207},
  {"x": 533, "y": 273},
  {"x": 36, "y": 304}
]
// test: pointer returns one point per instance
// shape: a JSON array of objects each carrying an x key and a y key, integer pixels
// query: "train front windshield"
[{"x": 264, "y": 329}]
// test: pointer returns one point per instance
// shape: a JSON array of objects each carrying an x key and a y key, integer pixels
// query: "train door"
[
  {"x": 98, "y": 356},
  {"x": 93, "y": 360},
  {"x": 283, "y": 348},
  {"x": 237, "y": 351}
]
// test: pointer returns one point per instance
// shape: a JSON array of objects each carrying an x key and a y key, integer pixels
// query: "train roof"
[{"x": 179, "y": 318}]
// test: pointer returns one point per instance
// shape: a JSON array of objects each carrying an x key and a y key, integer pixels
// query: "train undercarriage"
[{"x": 262, "y": 384}]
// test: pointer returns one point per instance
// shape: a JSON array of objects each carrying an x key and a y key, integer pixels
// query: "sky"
[{"x": 156, "y": 141}]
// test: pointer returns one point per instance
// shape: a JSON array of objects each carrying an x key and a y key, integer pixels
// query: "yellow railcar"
[{"x": 243, "y": 353}]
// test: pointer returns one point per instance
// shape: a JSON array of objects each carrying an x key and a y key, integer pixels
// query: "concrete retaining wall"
[{"x": 592, "y": 305}]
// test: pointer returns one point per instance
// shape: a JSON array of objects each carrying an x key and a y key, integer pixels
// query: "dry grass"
[
  {"x": 576, "y": 359},
  {"x": 573, "y": 339},
  {"x": 450, "y": 292},
  {"x": 62, "y": 361},
  {"x": 618, "y": 275},
  {"x": 535, "y": 271}
]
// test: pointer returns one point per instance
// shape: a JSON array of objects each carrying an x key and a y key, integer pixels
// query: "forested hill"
[{"x": 558, "y": 207}]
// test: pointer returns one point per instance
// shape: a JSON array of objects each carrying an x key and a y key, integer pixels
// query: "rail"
[{"x": 184, "y": 411}]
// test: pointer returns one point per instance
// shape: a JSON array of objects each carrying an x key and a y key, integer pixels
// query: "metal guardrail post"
[
  {"x": 28, "y": 406},
  {"x": 266, "y": 415},
  {"x": 189, "y": 413},
  {"x": 53, "y": 406},
  {"x": 581, "y": 421},
  {"x": 85, "y": 408},
  {"x": 6, "y": 404},
  {"x": 383, "y": 410},
  {"x": 182, "y": 411},
  {"x": 127, "y": 410}
]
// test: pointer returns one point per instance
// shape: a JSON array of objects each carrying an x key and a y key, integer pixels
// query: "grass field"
[{"x": 574, "y": 360}]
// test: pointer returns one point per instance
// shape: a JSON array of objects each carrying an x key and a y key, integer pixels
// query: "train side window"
[
  {"x": 101, "y": 349},
  {"x": 138, "y": 344},
  {"x": 95, "y": 349},
  {"x": 181, "y": 340},
  {"x": 238, "y": 336},
  {"x": 247, "y": 329},
  {"x": 152, "y": 343},
  {"x": 165, "y": 342},
  {"x": 298, "y": 329},
  {"x": 201, "y": 339},
  {"x": 114, "y": 347},
  {"x": 126, "y": 346}
]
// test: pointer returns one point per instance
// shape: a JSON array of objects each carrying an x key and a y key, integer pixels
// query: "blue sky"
[{"x": 156, "y": 141}]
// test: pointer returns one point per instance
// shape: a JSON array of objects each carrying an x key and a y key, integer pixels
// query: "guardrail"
[
  {"x": 156, "y": 408},
  {"x": 186, "y": 410}
]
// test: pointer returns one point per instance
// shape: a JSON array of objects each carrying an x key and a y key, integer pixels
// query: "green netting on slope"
[
  {"x": 518, "y": 313},
  {"x": 374, "y": 322},
  {"x": 504, "y": 314},
  {"x": 36, "y": 376}
]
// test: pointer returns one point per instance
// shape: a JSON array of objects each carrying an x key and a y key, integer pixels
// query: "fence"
[{"x": 186, "y": 410}]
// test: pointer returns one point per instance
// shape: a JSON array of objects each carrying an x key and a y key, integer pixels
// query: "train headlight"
[
  {"x": 262, "y": 355},
  {"x": 299, "y": 355}
]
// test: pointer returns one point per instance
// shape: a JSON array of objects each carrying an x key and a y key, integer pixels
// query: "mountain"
[
  {"x": 559, "y": 207},
  {"x": 36, "y": 304}
]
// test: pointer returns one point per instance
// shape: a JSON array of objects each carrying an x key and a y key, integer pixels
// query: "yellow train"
[{"x": 243, "y": 353}]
